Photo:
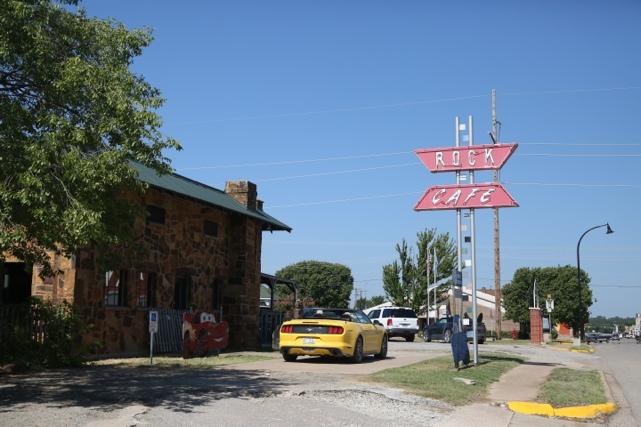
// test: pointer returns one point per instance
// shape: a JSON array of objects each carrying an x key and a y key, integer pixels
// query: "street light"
[{"x": 578, "y": 271}]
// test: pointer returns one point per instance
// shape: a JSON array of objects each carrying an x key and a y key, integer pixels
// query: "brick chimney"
[{"x": 244, "y": 192}]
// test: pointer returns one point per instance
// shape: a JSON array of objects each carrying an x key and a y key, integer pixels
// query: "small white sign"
[
  {"x": 153, "y": 321},
  {"x": 468, "y": 262}
]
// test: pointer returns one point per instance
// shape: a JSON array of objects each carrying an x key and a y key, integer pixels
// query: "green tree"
[
  {"x": 558, "y": 282},
  {"x": 606, "y": 324},
  {"x": 72, "y": 117},
  {"x": 327, "y": 284},
  {"x": 377, "y": 300},
  {"x": 362, "y": 303},
  {"x": 405, "y": 279}
]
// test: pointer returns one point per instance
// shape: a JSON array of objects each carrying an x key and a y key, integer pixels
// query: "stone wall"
[
  {"x": 223, "y": 271},
  {"x": 179, "y": 248}
]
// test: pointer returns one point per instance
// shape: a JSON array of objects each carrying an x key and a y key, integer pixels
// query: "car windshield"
[
  {"x": 399, "y": 312},
  {"x": 328, "y": 313}
]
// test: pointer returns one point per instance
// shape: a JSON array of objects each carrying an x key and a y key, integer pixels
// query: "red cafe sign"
[
  {"x": 466, "y": 196},
  {"x": 474, "y": 157}
]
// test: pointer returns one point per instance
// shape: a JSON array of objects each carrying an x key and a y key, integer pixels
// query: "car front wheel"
[{"x": 447, "y": 336}]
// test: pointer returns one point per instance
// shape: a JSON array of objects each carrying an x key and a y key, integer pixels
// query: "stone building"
[{"x": 202, "y": 249}]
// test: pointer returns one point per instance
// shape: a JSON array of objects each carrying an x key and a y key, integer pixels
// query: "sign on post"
[
  {"x": 465, "y": 196},
  {"x": 153, "y": 329},
  {"x": 474, "y": 157}
]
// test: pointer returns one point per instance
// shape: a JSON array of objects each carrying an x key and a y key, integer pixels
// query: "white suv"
[{"x": 398, "y": 321}]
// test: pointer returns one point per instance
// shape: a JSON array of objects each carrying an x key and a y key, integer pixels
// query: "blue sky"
[{"x": 356, "y": 86}]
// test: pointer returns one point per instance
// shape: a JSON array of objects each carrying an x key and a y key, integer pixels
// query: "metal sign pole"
[
  {"x": 459, "y": 244},
  {"x": 473, "y": 233},
  {"x": 153, "y": 328}
]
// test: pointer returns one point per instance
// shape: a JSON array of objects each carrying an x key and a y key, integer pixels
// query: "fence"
[
  {"x": 169, "y": 338},
  {"x": 21, "y": 320}
]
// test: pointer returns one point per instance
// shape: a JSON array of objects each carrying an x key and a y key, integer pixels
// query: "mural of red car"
[{"x": 202, "y": 335}]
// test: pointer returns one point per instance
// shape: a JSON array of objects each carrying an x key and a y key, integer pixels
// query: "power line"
[
  {"x": 385, "y": 196},
  {"x": 340, "y": 110},
  {"x": 408, "y": 104},
  {"x": 342, "y": 172},
  {"x": 397, "y": 153},
  {"x": 293, "y": 162},
  {"x": 353, "y": 199},
  {"x": 565, "y": 91},
  {"x": 553, "y": 184},
  {"x": 600, "y": 155}
]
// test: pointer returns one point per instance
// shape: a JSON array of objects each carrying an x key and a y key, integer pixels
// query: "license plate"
[{"x": 308, "y": 341}]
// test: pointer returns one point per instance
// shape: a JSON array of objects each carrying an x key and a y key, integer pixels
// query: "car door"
[
  {"x": 369, "y": 333},
  {"x": 441, "y": 326}
]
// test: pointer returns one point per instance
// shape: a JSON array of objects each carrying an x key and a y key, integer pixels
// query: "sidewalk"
[{"x": 521, "y": 383}]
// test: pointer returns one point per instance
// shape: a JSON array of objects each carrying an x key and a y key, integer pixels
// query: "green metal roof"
[{"x": 196, "y": 190}]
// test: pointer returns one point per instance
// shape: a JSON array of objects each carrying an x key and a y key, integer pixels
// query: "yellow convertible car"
[{"x": 332, "y": 332}]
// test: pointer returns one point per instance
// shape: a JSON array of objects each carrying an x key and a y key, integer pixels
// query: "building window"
[
  {"x": 146, "y": 289},
  {"x": 210, "y": 229},
  {"x": 116, "y": 288},
  {"x": 216, "y": 295},
  {"x": 182, "y": 293},
  {"x": 155, "y": 214}
]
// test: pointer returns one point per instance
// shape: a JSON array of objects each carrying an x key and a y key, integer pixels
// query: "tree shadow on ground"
[{"x": 113, "y": 387}]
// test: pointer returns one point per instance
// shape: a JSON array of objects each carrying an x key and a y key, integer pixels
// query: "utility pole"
[{"x": 497, "y": 241}]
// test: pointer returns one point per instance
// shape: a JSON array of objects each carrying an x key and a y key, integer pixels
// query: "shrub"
[{"x": 42, "y": 334}]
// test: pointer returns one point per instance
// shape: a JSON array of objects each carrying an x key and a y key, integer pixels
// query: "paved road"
[{"x": 623, "y": 361}]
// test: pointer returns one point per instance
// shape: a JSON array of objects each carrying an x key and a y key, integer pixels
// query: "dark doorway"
[
  {"x": 182, "y": 292},
  {"x": 16, "y": 283}
]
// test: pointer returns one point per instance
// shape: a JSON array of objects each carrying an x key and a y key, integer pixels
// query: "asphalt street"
[{"x": 622, "y": 360}]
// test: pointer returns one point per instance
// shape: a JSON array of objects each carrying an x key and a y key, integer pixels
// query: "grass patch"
[
  {"x": 179, "y": 362},
  {"x": 435, "y": 377},
  {"x": 572, "y": 387}
]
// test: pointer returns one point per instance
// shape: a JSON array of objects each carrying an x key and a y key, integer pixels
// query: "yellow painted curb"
[
  {"x": 586, "y": 411},
  {"x": 576, "y": 350},
  {"x": 531, "y": 408}
]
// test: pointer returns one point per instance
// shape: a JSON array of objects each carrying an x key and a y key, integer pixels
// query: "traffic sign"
[
  {"x": 153, "y": 322},
  {"x": 474, "y": 157},
  {"x": 466, "y": 196}
]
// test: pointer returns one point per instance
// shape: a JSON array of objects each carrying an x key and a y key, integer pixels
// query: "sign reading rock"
[
  {"x": 467, "y": 196},
  {"x": 475, "y": 157}
]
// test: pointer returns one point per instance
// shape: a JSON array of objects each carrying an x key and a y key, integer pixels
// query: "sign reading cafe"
[{"x": 465, "y": 196}]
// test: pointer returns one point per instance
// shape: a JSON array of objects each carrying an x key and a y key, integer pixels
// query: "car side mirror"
[{"x": 376, "y": 322}]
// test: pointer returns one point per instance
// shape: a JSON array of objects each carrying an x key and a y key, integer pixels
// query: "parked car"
[
  {"x": 398, "y": 321},
  {"x": 597, "y": 337},
  {"x": 334, "y": 332},
  {"x": 442, "y": 330}
]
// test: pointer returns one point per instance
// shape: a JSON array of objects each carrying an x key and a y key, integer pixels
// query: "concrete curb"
[{"x": 586, "y": 411}]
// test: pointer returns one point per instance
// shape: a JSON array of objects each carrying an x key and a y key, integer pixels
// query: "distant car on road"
[
  {"x": 397, "y": 321},
  {"x": 443, "y": 330},
  {"x": 597, "y": 337}
]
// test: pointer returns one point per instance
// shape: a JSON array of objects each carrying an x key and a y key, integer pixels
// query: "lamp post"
[{"x": 578, "y": 272}]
